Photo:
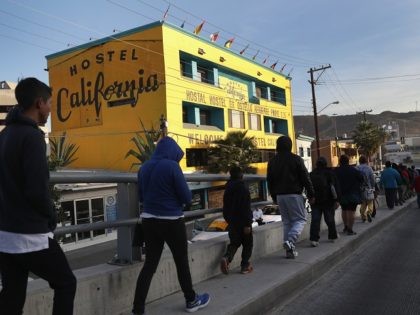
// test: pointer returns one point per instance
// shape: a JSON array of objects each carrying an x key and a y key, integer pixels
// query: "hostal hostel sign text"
[
  {"x": 230, "y": 103},
  {"x": 92, "y": 90}
]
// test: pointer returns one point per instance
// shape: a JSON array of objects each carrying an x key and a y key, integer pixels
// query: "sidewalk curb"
[{"x": 286, "y": 290}]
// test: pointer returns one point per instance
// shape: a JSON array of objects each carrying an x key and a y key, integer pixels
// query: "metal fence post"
[{"x": 127, "y": 208}]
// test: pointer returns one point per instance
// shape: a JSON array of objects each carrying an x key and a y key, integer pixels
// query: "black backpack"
[{"x": 321, "y": 182}]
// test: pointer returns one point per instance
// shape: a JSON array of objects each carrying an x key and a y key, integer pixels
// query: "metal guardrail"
[{"x": 127, "y": 205}]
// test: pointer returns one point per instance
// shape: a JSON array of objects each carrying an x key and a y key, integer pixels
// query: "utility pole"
[
  {"x": 313, "y": 82},
  {"x": 364, "y": 113}
]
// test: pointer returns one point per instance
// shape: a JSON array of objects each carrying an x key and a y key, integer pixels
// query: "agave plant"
[
  {"x": 62, "y": 153},
  {"x": 145, "y": 145}
]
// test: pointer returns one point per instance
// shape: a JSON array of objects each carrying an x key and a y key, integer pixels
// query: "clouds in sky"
[{"x": 359, "y": 38}]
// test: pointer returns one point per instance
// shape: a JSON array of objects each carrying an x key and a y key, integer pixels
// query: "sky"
[{"x": 372, "y": 45}]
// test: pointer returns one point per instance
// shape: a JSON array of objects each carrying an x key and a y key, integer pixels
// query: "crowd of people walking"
[{"x": 27, "y": 217}]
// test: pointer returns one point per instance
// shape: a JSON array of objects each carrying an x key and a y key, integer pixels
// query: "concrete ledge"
[
  {"x": 106, "y": 289},
  {"x": 276, "y": 279}
]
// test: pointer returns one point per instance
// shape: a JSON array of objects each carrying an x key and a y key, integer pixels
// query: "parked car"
[{"x": 219, "y": 226}]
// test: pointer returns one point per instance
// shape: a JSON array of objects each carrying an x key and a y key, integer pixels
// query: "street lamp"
[{"x": 318, "y": 152}]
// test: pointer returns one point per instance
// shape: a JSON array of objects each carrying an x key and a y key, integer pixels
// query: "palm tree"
[
  {"x": 235, "y": 149},
  {"x": 145, "y": 145},
  {"x": 368, "y": 137}
]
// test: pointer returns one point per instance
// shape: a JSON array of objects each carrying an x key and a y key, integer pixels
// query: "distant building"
[
  {"x": 303, "y": 149},
  {"x": 7, "y": 101},
  {"x": 333, "y": 149}
]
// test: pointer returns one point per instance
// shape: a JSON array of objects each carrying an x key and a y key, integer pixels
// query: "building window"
[
  {"x": 196, "y": 157},
  {"x": 197, "y": 68},
  {"x": 301, "y": 152},
  {"x": 204, "y": 74},
  {"x": 254, "y": 121},
  {"x": 186, "y": 68},
  {"x": 205, "y": 117},
  {"x": 275, "y": 125},
  {"x": 277, "y": 95},
  {"x": 81, "y": 212},
  {"x": 308, "y": 150},
  {"x": 261, "y": 92},
  {"x": 198, "y": 114},
  {"x": 236, "y": 119}
]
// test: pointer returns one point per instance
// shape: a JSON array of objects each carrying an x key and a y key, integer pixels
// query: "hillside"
[{"x": 409, "y": 123}]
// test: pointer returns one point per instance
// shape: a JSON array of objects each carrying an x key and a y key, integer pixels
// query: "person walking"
[
  {"x": 27, "y": 216},
  {"x": 350, "y": 181},
  {"x": 399, "y": 199},
  {"x": 237, "y": 213},
  {"x": 326, "y": 201},
  {"x": 389, "y": 181},
  {"x": 368, "y": 194},
  {"x": 417, "y": 189},
  {"x": 287, "y": 177},
  {"x": 163, "y": 193}
]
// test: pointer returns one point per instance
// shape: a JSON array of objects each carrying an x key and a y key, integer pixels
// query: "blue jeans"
[{"x": 293, "y": 216}]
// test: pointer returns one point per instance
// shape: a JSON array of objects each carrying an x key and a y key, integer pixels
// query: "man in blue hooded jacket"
[{"x": 164, "y": 192}]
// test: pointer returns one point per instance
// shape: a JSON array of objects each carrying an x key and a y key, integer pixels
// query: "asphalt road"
[{"x": 382, "y": 277}]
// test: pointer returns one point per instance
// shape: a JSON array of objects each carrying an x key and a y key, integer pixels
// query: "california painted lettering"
[{"x": 93, "y": 93}]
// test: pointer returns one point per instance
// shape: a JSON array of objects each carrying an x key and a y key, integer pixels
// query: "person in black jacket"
[
  {"x": 326, "y": 201},
  {"x": 27, "y": 216},
  {"x": 350, "y": 181},
  {"x": 237, "y": 213},
  {"x": 287, "y": 176}
]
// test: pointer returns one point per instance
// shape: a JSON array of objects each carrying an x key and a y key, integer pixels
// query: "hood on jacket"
[
  {"x": 284, "y": 144},
  {"x": 15, "y": 116},
  {"x": 167, "y": 148}
]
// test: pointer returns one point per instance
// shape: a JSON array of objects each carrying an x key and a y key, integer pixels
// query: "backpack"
[{"x": 322, "y": 186}]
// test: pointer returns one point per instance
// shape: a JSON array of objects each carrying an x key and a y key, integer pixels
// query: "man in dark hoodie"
[
  {"x": 164, "y": 192},
  {"x": 237, "y": 213},
  {"x": 27, "y": 217},
  {"x": 287, "y": 176}
]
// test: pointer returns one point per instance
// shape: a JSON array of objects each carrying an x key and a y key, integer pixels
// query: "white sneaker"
[{"x": 314, "y": 244}]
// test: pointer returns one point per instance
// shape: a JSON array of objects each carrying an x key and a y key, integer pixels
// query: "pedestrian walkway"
[{"x": 275, "y": 278}]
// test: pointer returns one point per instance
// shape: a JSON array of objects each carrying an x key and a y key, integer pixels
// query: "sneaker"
[
  {"x": 290, "y": 250},
  {"x": 246, "y": 269},
  {"x": 224, "y": 265},
  {"x": 201, "y": 301},
  {"x": 369, "y": 217},
  {"x": 351, "y": 232},
  {"x": 314, "y": 244}
]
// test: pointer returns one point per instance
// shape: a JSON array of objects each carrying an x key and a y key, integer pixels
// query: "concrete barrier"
[{"x": 107, "y": 289}]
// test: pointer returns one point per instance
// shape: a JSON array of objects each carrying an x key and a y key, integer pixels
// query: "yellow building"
[
  {"x": 102, "y": 89},
  {"x": 331, "y": 150}
]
